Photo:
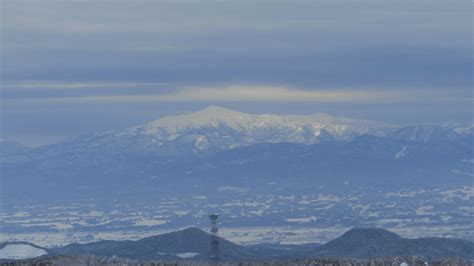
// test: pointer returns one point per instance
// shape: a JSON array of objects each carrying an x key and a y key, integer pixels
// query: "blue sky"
[{"x": 75, "y": 67}]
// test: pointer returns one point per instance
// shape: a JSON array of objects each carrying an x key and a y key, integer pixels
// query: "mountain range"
[
  {"x": 194, "y": 244},
  {"x": 217, "y": 147},
  {"x": 218, "y": 129},
  {"x": 185, "y": 244}
]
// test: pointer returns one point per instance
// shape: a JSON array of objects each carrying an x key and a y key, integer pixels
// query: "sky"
[{"x": 74, "y": 67}]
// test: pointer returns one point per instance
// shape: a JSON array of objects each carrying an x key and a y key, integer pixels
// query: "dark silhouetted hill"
[{"x": 376, "y": 243}]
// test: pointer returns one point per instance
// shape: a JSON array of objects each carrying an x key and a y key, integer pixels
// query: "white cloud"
[
  {"x": 39, "y": 85},
  {"x": 245, "y": 93},
  {"x": 273, "y": 94}
]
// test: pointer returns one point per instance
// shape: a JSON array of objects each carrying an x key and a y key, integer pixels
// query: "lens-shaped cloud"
[{"x": 239, "y": 93}]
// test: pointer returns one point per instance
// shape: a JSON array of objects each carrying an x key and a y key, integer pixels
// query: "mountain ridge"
[
  {"x": 194, "y": 244},
  {"x": 216, "y": 129},
  {"x": 191, "y": 241},
  {"x": 366, "y": 161},
  {"x": 371, "y": 243}
]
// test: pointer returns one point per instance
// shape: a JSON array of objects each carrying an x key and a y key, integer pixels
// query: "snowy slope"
[
  {"x": 222, "y": 129},
  {"x": 15, "y": 251},
  {"x": 216, "y": 129},
  {"x": 218, "y": 117}
]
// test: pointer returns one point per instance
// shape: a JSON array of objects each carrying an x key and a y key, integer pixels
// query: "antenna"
[{"x": 216, "y": 256}]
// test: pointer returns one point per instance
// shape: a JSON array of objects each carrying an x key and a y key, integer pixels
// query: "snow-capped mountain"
[
  {"x": 224, "y": 128},
  {"x": 248, "y": 124},
  {"x": 248, "y": 129},
  {"x": 217, "y": 129},
  {"x": 240, "y": 150}
]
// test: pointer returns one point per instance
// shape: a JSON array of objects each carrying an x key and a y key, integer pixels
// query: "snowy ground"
[
  {"x": 247, "y": 218},
  {"x": 20, "y": 251}
]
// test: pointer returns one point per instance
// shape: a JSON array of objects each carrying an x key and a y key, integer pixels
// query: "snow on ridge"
[
  {"x": 464, "y": 130},
  {"x": 187, "y": 255},
  {"x": 301, "y": 219},
  {"x": 215, "y": 117},
  {"x": 233, "y": 189},
  {"x": 216, "y": 128},
  {"x": 401, "y": 153}
]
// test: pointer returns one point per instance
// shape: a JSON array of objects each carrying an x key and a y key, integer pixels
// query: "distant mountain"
[
  {"x": 217, "y": 149},
  {"x": 209, "y": 130},
  {"x": 366, "y": 161},
  {"x": 365, "y": 243},
  {"x": 191, "y": 243},
  {"x": 218, "y": 129},
  {"x": 430, "y": 133}
]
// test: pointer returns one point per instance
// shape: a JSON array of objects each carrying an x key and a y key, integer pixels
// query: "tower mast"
[{"x": 214, "y": 239}]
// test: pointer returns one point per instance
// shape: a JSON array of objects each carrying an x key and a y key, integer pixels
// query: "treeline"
[{"x": 91, "y": 260}]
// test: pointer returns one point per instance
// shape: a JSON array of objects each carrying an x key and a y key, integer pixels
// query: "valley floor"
[{"x": 247, "y": 218}]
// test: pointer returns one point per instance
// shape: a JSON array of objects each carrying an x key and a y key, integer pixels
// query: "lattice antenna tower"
[{"x": 216, "y": 256}]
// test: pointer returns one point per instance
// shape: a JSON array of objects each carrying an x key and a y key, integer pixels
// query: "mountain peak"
[
  {"x": 217, "y": 109},
  {"x": 190, "y": 232},
  {"x": 377, "y": 243},
  {"x": 242, "y": 129},
  {"x": 213, "y": 111},
  {"x": 369, "y": 233},
  {"x": 210, "y": 116}
]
